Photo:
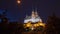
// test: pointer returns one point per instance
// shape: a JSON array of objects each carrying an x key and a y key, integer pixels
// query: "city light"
[
  {"x": 42, "y": 24},
  {"x": 28, "y": 24},
  {"x": 32, "y": 28}
]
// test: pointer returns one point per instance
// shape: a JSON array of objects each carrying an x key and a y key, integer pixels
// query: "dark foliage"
[{"x": 53, "y": 25}]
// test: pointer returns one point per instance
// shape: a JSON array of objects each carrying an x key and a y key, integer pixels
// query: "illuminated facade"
[
  {"x": 34, "y": 21},
  {"x": 33, "y": 18}
]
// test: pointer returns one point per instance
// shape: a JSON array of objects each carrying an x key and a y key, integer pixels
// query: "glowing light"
[
  {"x": 42, "y": 24},
  {"x": 32, "y": 28},
  {"x": 28, "y": 24},
  {"x": 18, "y": 1},
  {"x": 32, "y": 20},
  {"x": 37, "y": 24}
]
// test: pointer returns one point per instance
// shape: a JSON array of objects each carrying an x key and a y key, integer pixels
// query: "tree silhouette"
[{"x": 52, "y": 25}]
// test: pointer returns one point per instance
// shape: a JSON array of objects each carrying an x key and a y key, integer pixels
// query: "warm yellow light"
[
  {"x": 32, "y": 28},
  {"x": 35, "y": 25},
  {"x": 18, "y": 1},
  {"x": 28, "y": 24},
  {"x": 42, "y": 24}
]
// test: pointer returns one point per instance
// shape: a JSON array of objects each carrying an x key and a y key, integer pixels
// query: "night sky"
[{"x": 17, "y": 12}]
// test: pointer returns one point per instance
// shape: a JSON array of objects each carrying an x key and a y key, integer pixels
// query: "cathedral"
[
  {"x": 33, "y": 22},
  {"x": 33, "y": 18}
]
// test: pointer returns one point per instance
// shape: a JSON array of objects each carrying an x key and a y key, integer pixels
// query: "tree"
[{"x": 52, "y": 25}]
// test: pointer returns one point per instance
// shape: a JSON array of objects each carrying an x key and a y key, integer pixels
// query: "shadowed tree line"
[
  {"x": 7, "y": 27},
  {"x": 53, "y": 25}
]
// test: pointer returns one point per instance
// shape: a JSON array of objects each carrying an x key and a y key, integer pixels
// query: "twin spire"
[
  {"x": 33, "y": 18},
  {"x": 34, "y": 14}
]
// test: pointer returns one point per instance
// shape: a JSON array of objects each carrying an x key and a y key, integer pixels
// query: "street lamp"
[{"x": 18, "y": 1}]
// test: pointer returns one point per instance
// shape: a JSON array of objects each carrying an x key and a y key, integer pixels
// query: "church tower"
[
  {"x": 33, "y": 21},
  {"x": 36, "y": 13},
  {"x": 33, "y": 14}
]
